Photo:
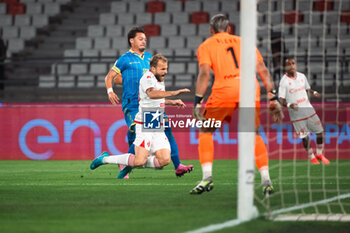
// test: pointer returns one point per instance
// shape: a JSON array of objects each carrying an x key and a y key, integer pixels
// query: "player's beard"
[
  {"x": 142, "y": 50},
  {"x": 159, "y": 77},
  {"x": 291, "y": 73}
]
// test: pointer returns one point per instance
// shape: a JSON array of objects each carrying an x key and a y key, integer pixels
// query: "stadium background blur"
[
  {"x": 58, "y": 54},
  {"x": 61, "y": 50}
]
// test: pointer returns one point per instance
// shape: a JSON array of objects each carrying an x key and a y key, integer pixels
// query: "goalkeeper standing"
[
  {"x": 221, "y": 53},
  {"x": 292, "y": 94},
  {"x": 127, "y": 71}
]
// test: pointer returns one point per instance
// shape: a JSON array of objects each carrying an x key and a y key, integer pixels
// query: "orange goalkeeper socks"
[
  {"x": 206, "y": 148},
  {"x": 261, "y": 158}
]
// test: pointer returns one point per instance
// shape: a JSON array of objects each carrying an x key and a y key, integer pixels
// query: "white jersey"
[
  {"x": 294, "y": 91},
  {"x": 148, "y": 80}
]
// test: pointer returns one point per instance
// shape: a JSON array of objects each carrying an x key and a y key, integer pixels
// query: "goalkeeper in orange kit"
[{"x": 221, "y": 53}]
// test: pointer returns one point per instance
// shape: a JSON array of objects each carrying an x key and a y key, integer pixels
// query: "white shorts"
[
  {"x": 305, "y": 126},
  {"x": 151, "y": 141}
]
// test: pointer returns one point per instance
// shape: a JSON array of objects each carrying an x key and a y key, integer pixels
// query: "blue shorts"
[{"x": 129, "y": 115}]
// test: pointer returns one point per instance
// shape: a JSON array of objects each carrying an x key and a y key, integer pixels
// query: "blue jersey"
[{"x": 132, "y": 66}]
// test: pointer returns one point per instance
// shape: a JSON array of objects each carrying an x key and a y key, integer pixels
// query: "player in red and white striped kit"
[{"x": 293, "y": 93}]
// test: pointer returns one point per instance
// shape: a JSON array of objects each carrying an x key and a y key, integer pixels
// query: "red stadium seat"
[
  {"x": 233, "y": 29},
  {"x": 155, "y": 6},
  {"x": 292, "y": 17},
  {"x": 199, "y": 17},
  {"x": 151, "y": 30},
  {"x": 345, "y": 17},
  {"x": 9, "y": 2},
  {"x": 16, "y": 9},
  {"x": 323, "y": 5}
]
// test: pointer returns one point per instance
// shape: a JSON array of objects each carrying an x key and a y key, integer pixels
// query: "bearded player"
[
  {"x": 127, "y": 71},
  {"x": 152, "y": 149}
]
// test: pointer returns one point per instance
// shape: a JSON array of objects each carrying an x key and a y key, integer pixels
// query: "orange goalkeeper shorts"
[{"x": 222, "y": 109}]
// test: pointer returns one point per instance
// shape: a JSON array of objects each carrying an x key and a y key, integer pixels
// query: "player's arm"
[
  {"x": 265, "y": 76},
  {"x": 274, "y": 106},
  {"x": 313, "y": 92},
  {"x": 284, "y": 103},
  {"x": 176, "y": 102},
  {"x": 157, "y": 94},
  {"x": 202, "y": 80},
  {"x": 112, "y": 77},
  {"x": 201, "y": 88},
  {"x": 282, "y": 93}
]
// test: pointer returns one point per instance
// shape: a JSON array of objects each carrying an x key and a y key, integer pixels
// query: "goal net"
[{"x": 316, "y": 33}]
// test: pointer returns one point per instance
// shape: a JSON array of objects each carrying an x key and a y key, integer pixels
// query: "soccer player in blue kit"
[{"x": 127, "y": 71}]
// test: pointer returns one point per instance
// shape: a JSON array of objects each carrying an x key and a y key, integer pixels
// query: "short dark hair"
[
  {"x": 288, "y": 58},
  {"x": 219, "y": 23},
  {"x": 156, "y": 58},
  {"x": 132, "y": 33}
]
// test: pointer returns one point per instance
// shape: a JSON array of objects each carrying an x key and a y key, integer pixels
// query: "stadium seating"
[
  {"x": 155, "y": 6},
  {"x": 174, "y": 28},
  {"x": 151, "y": 30},
  {"x": 20, "y": 20},
  {"x": 323, "y": 5},
  {"x": 199, "y": 17},
  {"x": 16, "y": 8},
  {"x": 345, "y": 17},
  {"x": 292, "y": 17}
]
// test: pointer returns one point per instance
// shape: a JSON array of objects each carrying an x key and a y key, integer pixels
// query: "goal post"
[
  {"x": 317, "y": 35},
  {"x": 246, "y": 134}
]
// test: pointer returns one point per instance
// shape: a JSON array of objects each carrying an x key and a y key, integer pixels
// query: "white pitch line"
[
  {"x": 339, "y": 197},
  {"x": 219, "y": 226},
  {"x": 102, "y": 184},
  {"x": 93, "y": 184},
  {"x": 236, "y": 222},
  {"x": 140, "y": 184}
]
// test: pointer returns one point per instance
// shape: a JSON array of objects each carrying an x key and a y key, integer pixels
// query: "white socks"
[
  {"x": 265, "y": 175},
  {"x": 319, "y": 149},
  {"x": 128, "y": 160},
  {"x": 124, "y": 159},
  {"x": 207, "y": 169},
  {"x": 152, "y": 162},
  {"x": 310, "y": 153}
]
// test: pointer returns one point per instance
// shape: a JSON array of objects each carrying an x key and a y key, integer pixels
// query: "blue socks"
[
  {"x": 174, "y": 149},
  {"x": 132, "y": 149}
]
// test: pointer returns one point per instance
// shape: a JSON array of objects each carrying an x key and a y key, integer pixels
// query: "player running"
[
  {"x": 292, "y": 94},
  {"x": 127, "y": 71},
  {"x": 221, "y": 53},
  {"x": 152, "y": 149}
]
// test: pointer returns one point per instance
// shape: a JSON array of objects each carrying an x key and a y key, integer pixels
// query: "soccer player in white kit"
[
  {"x": 152, "y": 149},
  {"x": 293, "y": 93}
]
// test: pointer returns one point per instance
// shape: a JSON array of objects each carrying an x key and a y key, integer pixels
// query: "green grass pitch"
[{"x": 66, "y": 196}]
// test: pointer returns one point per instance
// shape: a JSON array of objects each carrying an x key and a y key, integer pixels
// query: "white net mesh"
[{"x": 316, "y": 34}]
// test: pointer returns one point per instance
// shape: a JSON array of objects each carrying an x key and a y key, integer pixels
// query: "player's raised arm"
[
  {"x": 112, "y": 77},
  {"x": 157, "y": 94}
]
